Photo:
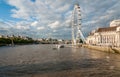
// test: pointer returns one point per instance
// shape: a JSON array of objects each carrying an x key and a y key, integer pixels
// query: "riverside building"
[{"x": 108, "y": 36}]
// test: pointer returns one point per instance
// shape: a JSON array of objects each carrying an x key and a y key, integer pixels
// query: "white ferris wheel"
[{"x": 76, "y": 25}]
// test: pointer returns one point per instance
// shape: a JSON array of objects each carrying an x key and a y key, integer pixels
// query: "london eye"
[{"x": 76, "y": 25}]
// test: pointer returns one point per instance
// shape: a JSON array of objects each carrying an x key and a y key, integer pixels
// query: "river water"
[{"x": 44, "y": 61}]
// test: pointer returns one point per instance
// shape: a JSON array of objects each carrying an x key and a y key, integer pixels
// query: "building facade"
[{"x": 109, "y": 36}]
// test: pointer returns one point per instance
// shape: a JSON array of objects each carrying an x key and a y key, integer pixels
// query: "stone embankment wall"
[{"x": 102, "y": 48}]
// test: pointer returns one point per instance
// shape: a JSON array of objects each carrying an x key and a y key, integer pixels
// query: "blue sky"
[
  {"x": 5, "y": 10},
  {"x": 51, "y": 18}
]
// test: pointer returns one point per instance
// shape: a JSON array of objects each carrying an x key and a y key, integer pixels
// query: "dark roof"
[{"x": 106, "y": 29}]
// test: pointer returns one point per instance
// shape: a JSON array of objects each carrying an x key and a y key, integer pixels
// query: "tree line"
[{"x": 16, "y": 40}]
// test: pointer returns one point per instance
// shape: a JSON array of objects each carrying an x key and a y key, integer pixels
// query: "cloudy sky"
[{"x": 51, "y": 18}]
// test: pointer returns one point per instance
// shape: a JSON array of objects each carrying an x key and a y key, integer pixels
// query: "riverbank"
[
  {"x": 1, "y": 45},
  {"x": 103, "y": 48}
]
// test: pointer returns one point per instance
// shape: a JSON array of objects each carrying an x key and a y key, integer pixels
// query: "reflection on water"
[{"x": 43, "y": 61}]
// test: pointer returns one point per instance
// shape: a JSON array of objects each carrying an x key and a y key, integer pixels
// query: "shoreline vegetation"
[
  {"x": 18, "y": 40},
  {"x": 28, "y": 41}
]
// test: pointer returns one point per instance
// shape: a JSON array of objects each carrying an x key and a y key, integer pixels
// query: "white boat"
[{"x": 59, "y": 46}]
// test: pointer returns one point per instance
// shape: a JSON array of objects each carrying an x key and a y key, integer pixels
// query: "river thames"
[{"x": 43, "y": 61}]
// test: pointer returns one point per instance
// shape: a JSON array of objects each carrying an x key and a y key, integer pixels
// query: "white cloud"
[
  {"x": 54, "y": 30},
  {"x": 43, "y": 12},
  {"x": 34, "y": 23},
  {"x": 22, "y": 27},
  {"x": 54, "y": 25},
  {"x": 68, "y": 21},
  {"x": 63, "y": 8},
  {"x": 40, "y": 28}
]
